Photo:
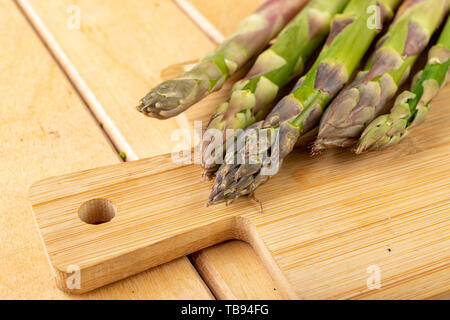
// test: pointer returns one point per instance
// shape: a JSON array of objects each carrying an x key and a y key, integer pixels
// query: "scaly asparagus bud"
[
  {"x": 252, "y": 97},
  {"x": 411, "y": 107},
  {"x": 357, "y": 105},
  {"x": 173, "y": 97},
  {"x": 349, "y": 38}
]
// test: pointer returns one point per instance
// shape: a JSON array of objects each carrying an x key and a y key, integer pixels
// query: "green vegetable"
[
  {"x": 411, "y": 107},
  {"x": 390, "y": 65},
  {"x": 251, "y": 97},
  {"x": 350, "y": 37}
]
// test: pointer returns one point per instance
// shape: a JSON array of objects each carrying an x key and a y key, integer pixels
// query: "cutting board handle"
[{"x": 105, "y": 224}]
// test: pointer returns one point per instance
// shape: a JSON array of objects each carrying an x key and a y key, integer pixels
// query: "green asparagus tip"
[
  {"x": 382, "y": 133},
  {"x": 371, "y": 140}
]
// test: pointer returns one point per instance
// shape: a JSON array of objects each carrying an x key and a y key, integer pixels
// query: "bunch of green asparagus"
[
  {"x": 258, "y": 137},
  {"x": 173, "y": 97},
  {"x": 297, "y": 113},
  {"x": 411, "y": 107},
  {"x": 252, "y": 96},
  {"x": 357, "y": 105}
]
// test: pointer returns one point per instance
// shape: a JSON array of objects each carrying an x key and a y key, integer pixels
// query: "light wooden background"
[{"x": 65, "y": 99}]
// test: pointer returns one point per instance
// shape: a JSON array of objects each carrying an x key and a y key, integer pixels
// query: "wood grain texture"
[
  {"x": 117, "y": 56},
  {"x": 46, "y": 130},
  {"x": 325, "y": 221},
  {"x": 113, "y": 58}
]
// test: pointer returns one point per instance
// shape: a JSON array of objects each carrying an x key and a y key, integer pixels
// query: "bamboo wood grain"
[
  {"x": 46, "y": 130},
  {"x": 100, "y": 39},
  {"x": 325, "y": 221}
]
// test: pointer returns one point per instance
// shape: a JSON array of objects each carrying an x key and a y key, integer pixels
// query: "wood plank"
[
  {"x": 103, "y": 34},
  {"x": 326, "y": 219},
  {"x": 116, "y": 56},
  {"x": 46, "y": 130}
]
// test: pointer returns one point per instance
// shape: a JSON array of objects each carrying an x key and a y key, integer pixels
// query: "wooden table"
[{"x": 66, "y": 94}]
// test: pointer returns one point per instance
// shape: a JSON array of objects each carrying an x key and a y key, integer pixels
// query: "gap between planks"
[
  {"x": 106, "y": 123},
  {"x": 201, "y": 21},
  {"x": 78, "y": 82},
  {"x": 58, "y": 60},
  {"x": 212, "y": 269},
  {"x": 118, "y": 140}
]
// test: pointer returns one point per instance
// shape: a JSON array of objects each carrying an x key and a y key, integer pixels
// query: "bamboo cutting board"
[{"x": 328, "y": 221}]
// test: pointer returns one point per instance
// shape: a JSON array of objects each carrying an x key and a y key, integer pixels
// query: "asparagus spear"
[
  {"x": 297, "y": 113},
  {"x": 173, "y": 97},
  {"x": 252, "y": 96},
  {"x": 411, "y": 107},
  {"x": 356, "y": 106}
]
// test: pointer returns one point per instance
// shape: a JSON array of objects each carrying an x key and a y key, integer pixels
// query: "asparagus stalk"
[
  {"x": 251, "y": 97},
  {"x": 350, "y": 36},
  {"x": 172, "y": 97},
  {"x": 356, "y": 106},
  {"x": 411, "y": 107}
]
